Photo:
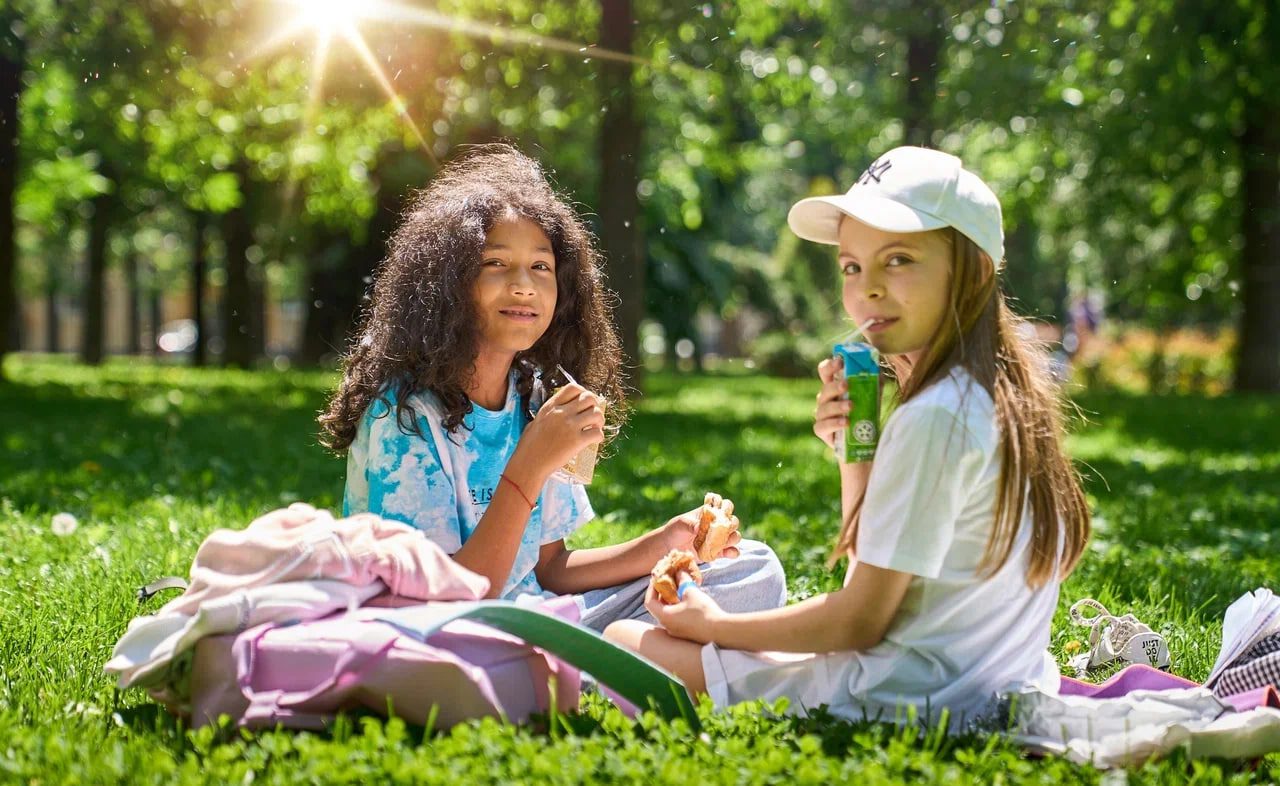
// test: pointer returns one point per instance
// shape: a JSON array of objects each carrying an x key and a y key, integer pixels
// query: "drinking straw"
[
  {"x": 859, "y": 331},
  {"x": 567, "y": 375}
]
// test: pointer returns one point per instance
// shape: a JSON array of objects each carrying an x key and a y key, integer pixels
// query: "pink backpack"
[
  {"x": 438, "y": 656},
  {"x": 433, "y": 664}
]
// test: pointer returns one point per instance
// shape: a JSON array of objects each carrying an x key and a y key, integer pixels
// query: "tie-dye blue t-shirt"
[{"x": 442, "y": 484}]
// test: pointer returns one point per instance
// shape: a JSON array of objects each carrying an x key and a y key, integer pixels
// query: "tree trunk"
[
  {"x": 618, "y": 205},
  {"x": 320, "y": 316},
  {"x": 156, "y": 318},
  {"x": 15, "y": 327},
  {"x": 199, "y": 265},
  {"x": 339, "y": 287},
  {"x": 10, "y": 87},
  {"x": 731, "y": 343},
  {"x": 335, "y": 292},
  {"x": 257, "y": 195},
  {"x": 671, "y": 361},
  {"x": 1258, "y": 351},
  {"x": 258, "y": 309},
  {"x": 91, "y": 340},
  {"x": 133, "y": 317},
  {"x": 924, "y": 46},
  {"x": 237, "y": 301},
  {"x": 51, "y": 321}
]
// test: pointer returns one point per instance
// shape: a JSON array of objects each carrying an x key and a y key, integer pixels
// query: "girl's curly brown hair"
[{"x": 419, "y": 332}]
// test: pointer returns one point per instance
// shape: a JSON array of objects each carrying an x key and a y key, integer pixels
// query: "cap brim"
[{"x": 818, "y": 218}]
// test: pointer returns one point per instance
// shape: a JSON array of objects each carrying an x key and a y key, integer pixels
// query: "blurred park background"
[{"x": 212, "y": 181}]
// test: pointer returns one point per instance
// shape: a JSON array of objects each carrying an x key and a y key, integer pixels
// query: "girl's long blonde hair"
[{"x": 982, "y": 335}]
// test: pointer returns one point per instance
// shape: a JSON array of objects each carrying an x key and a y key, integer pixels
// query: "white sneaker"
[{"x": 1114, "y": 638}]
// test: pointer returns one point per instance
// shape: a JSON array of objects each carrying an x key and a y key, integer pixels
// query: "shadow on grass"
[
  {"x": 251, "y": 440},
  {"x": 63, "y": 445},
  {"x": 114, "y": 442},
  {"x": 1242, "y": 423},
  {"x": 1181, "y": 504}
]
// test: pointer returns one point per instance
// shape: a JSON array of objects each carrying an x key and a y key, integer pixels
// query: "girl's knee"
[
  {"x": 678, "y": 656},
  {"x": 754, "y": 581},
  {"x": 768, "y": 575},
  {"x": 774, "y": 582},
  {"x": 627, "y": 633},
  {"x": 758, "y": 552}
]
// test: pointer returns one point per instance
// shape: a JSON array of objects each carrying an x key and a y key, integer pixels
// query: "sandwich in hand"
[
  {"x": 672, "y": 571},
  {"x": 716, "y": 523}
]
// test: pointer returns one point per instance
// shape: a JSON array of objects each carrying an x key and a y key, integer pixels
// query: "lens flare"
[
  {"x": 338, "y": 21},
  {"x": 330, "y": 19},
  {"x": 329, "y": 15}
]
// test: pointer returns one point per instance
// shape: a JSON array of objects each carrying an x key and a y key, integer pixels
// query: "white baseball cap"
[{"x": 909, "y": 189}]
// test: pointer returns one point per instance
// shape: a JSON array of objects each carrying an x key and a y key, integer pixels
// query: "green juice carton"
[{"x": 857, "y": 442}]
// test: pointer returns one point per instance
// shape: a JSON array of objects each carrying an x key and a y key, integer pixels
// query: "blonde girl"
[{"x": 960, "y": 530}]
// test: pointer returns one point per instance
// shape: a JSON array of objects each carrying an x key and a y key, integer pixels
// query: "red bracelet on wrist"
[{"x": 519, "y": 491}]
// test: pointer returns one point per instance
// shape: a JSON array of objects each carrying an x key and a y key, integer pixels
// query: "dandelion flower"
[{"x": 63, "y": 524}]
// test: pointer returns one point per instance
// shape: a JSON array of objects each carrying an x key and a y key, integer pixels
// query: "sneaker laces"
[
  {"x": 1110, "y": 637},
  {"x": 1118, "y": 631}
]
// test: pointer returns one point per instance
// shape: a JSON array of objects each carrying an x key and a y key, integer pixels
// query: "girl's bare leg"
[{"x": 681, "y": 657}]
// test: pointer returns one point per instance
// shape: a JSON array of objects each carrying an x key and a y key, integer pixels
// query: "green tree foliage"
[{"x": 1129, "y": 142}]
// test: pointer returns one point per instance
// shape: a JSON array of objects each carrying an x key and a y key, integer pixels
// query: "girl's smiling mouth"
[{"x": 519, "y": 314}]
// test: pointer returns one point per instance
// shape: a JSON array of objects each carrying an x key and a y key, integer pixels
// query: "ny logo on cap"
[{"x": 875, "y": 171}]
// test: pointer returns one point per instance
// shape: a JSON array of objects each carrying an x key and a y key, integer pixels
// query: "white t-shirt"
[
  {"x": 958, "y": 638},
  {"x": 929, "y": 510}
]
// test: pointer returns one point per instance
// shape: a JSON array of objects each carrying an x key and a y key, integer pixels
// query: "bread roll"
[
  {"x": 670, "y": 571},
  {"x": 716, "y": 523}
]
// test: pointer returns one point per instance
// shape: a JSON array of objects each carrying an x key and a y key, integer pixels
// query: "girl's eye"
[
  {"x": 541, "y": 266},
  {"x": 850, "y": 268},
  {"x": 488, "y": 262},
  {"x": 897, "y": 260}
]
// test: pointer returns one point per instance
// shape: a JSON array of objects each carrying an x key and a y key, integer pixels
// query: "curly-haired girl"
[{"x": 492, "y": 280}]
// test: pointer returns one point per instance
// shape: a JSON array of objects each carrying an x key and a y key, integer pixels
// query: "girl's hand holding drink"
[
  {"x": 579, "y": 466},
  {"x": 861, "y": 370},
  {"x": 832, "y": 413},
  {"x": 847, "y": 417}
]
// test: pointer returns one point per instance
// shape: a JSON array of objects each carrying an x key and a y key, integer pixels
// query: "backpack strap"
[
  {"x": 634, "y": 678},
  {"x": 160, "y": 585}
]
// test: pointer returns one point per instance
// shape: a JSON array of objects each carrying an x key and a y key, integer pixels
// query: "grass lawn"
[{"x": 1186, "y": 493}]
